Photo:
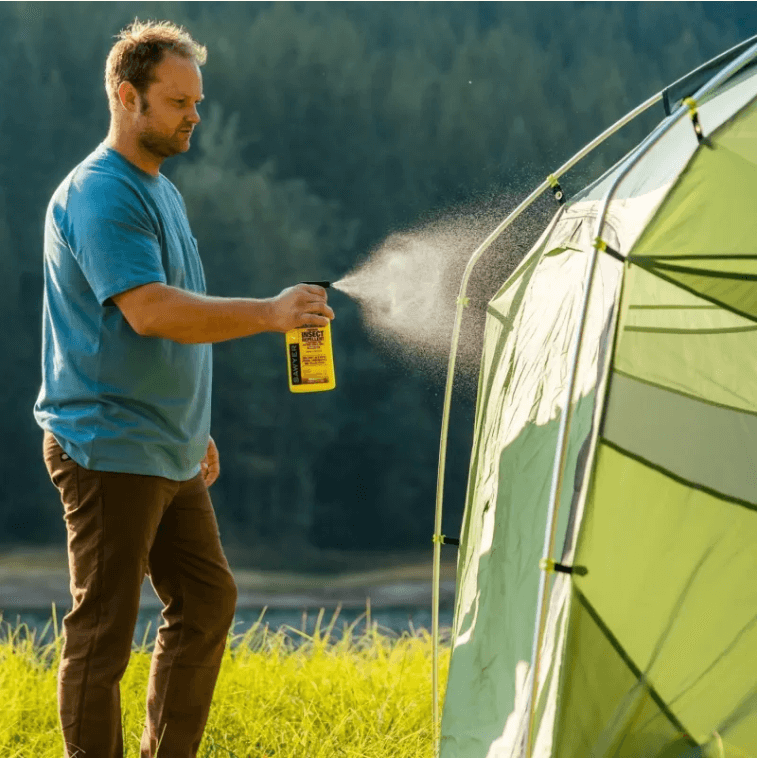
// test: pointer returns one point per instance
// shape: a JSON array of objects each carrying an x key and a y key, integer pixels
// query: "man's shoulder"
[
  {"x": 103, "y": 169},
  {"x": 100, "y": 180},
  {"x": 100, "y": 188}
]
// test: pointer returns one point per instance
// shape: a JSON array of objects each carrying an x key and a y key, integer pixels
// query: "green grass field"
[{"x": 281, "y": 694}]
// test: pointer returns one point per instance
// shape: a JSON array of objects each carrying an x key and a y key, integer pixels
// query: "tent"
[{"x": 609, "y": 538}]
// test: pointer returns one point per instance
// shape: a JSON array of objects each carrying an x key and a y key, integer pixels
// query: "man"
[{"x": 125, "y": 405}]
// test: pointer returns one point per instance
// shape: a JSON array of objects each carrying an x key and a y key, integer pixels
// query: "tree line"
[{"x": 326, "y": 127}]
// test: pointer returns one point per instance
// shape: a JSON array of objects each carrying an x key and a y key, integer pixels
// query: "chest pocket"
[
  {"x": 181, "y": 260},
  {"x": 195, "y": 273}
]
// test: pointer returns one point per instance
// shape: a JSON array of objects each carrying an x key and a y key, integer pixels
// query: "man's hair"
[{"x": 141, "y": 46}]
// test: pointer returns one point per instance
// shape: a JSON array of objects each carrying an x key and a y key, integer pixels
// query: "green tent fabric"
[{"x": 650, "y": 650}]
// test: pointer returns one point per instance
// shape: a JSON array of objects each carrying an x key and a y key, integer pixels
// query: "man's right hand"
[{"x": 301, "y": 305}]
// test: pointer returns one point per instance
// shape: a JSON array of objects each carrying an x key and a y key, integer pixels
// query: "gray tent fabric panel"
[{"x": 667, "y": 429}]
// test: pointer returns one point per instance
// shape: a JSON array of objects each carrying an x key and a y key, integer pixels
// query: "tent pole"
[
  {"x": 461, "y": 303},
  {"x": 561, "y": 451}
]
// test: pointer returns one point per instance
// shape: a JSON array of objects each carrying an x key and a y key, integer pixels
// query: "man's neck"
[{"x": 127, "y": 146}]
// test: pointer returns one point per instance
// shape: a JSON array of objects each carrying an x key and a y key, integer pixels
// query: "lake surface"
[{"x": 390, "y": 621}]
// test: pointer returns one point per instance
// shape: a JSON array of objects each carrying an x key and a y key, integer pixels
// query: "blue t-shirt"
[{"x": 116, "y": 401}]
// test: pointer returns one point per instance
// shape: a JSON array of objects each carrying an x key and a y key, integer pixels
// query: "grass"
[{"x": 280, "y": 694}]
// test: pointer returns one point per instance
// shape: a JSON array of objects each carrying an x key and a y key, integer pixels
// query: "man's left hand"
[{"x": 210, "y": 468}]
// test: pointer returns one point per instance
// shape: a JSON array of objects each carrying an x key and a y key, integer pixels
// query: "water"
[{"x": 390, "y": 621}]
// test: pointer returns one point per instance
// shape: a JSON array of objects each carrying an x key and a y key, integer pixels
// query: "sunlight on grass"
[{"x": 336, "y": 692}]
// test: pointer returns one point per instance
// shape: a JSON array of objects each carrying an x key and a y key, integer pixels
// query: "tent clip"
[
  {"x": 556, "y": 189},
  {"x": 691, "y": 104},
  {"x": 602, "y": 246},
  {"x": 550, "y": 566},
  {"x": 444, "y": 540}
]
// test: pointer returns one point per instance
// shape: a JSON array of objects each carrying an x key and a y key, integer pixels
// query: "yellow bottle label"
[{"x": 310, "y": 360}]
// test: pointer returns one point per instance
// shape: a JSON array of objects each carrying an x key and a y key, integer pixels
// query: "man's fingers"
[
  {"x": 313, "y": 293},
  {"x": 210, "y": 466},
  {"x": 314, "y": 289},
  {"x": 313, "y": 319},
  {"x": 319, "y": 315},
  {"x": 318, "y": 310},
  {"x": 304, "y": 305},
  {"x": 210, "y": 473},
  {"x": 325, "y": 310},
  {"x": 313, "y": 299},
  {"x": 214, "y": 469}
]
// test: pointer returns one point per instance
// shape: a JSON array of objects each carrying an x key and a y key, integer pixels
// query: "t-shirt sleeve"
[{"x": 113, "y": 239}]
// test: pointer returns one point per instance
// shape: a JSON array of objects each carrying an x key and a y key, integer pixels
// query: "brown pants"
[{"x": 121, "y": 527}]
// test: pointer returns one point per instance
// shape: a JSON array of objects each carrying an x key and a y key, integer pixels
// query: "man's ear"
[{"x": 128, "y": 97}]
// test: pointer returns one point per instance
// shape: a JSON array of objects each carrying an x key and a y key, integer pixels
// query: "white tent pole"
[
  {"x": 461, "y": 303},
  {"x": 561, "y": 451}
]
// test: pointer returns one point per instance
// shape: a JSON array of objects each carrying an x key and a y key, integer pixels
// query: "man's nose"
[{"x": 194, "y": 116}]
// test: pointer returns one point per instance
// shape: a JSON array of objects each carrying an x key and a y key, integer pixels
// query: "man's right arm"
[{"x": 159, "y": 310}]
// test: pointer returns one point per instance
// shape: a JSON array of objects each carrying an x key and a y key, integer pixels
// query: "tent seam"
[
  {"x": 650, "y": 265},
  {"x": 635, "y": 670},
  {"x": 691, "y": 291},
  {"x": 653, "y": 257},
  {"x": 712, "y": 403},
  {"x": 677, "y": 477},
  {"x": 664, "y": 330}
]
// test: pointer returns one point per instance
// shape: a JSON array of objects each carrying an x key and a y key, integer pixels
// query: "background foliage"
[{"x": 326, "y": 127}]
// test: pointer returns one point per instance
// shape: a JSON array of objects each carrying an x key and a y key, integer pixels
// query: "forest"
[{"x": 327, "y": 127}]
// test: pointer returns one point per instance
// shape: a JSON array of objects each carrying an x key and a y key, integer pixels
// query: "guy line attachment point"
[
  {"x": 556, "y": 189},
  {"x": 550, "y": 566},
  {"x": 691, "y": 104},
  {"x": 442, "y": 539}
]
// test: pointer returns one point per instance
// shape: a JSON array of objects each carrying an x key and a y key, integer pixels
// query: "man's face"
[{"x": 168, "y": 109}]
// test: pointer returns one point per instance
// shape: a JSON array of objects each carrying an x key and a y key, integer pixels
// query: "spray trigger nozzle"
[{"x": 325, "y": 285}]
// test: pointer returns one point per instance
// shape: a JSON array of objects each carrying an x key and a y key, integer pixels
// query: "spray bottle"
[{"x": 310, "y": 361}]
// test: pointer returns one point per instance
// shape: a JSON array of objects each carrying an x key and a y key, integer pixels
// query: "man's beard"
[
  {"x": 160, "y": 145},
  {"x": 156, "y": 143}
]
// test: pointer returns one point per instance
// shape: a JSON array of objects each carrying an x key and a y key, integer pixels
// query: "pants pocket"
[{"x": 63, "y": 469}]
